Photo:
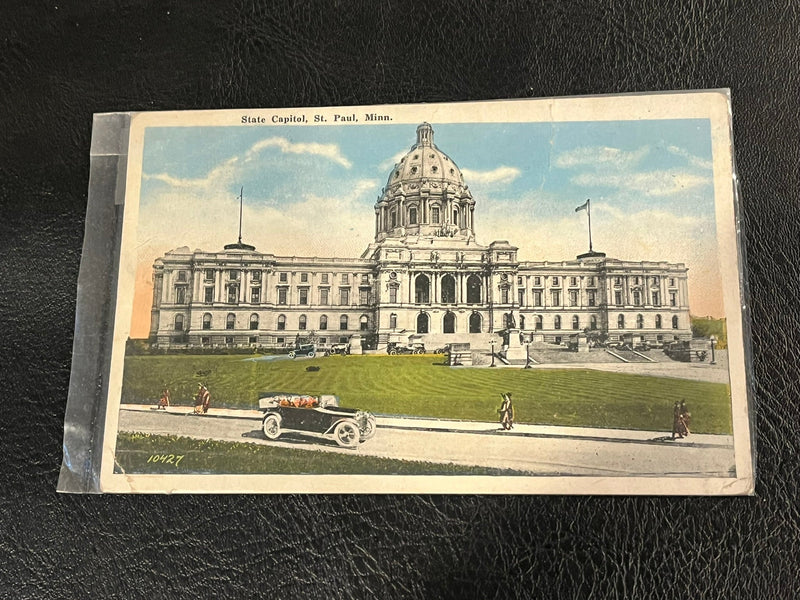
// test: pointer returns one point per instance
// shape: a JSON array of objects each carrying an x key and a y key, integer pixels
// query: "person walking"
[
  {"x": 686, "y": 417},
  {"x": 676, "y": 421},
  {"x": 506, "y": 412},
  {"x": 163, "y": 402}
]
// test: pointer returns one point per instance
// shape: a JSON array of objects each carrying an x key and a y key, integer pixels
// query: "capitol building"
[{"x": 425, "y": 278}]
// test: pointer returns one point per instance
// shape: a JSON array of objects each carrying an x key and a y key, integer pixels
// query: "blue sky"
[{"x": 310, "y": 191}]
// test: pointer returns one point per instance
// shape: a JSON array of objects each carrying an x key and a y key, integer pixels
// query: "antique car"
[
  {"x": 339, "y": 349},
  {"x": 394, "y": 348},
  {"x": 308, "y": 350},
  {"x": 318, "y": 416}
]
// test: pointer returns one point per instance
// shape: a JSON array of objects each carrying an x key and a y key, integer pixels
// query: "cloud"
[
  {"x": 330, "y": 151},
  {"x": 600, "y": 157},
  {"x": 391, "y": 161},
  {"x": 216, "y": 178},
  {"x": 693, "y": 160},
  {"x": 649, "y": 183},
  {"x": 501, "y": 174}
]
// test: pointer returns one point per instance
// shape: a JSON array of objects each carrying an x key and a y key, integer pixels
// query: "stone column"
[{"x": 218, "y": 285}]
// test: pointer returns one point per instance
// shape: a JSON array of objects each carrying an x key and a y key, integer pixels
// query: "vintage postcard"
[{"x": 530, "y": 296}]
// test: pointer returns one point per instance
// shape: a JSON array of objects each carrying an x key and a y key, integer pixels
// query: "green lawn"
[
  {"x": 135, "y": 451},
  {"x": 423, "y": 386}
]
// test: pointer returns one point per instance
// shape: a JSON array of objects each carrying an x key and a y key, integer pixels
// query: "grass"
[
  {"x": 207, "y": 456},
  {"x": 423, "y": 386}
]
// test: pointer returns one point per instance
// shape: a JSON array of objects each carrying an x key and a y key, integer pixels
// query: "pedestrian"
[
  {"x": 506, "y": 412},
  {"x": 163, "y": 402},
  {"x": 677, "y": 427},
  {"x": 206, "y": 399},
  {"x": 686, "y": 417},
  {"x": 200, "y": 399}
]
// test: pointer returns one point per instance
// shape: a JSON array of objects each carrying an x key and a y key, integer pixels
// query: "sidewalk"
[{"x": 477, "y": 427}]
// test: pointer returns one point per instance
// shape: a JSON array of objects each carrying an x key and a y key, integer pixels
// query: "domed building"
[{"x": 425, "y": 279}]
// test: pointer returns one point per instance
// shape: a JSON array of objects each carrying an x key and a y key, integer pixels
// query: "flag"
[{"x": 583, "y": 206}]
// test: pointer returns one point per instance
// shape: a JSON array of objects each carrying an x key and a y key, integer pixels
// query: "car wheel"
[
  {"x": 393, "y": 352},
  {"x": 272, "y": 427},
  {"x": 370, "y": 426},
  {"x": 311, "y": 355},
  {"x": 347, "y": 434},
  {"x": 292, "y": 354}
]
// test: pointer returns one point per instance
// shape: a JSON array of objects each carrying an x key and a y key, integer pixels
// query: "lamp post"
[
  {"x": 713, "y": 343},
  {"x": 492, "y": 365},
  {"x": 527, "y": 355}
]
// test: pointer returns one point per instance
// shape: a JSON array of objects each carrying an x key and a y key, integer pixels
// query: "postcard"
[{"x": 506, "y": 297}]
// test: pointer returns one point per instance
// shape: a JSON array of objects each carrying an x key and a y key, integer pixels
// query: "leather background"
[{"x": 60, "y": 63}]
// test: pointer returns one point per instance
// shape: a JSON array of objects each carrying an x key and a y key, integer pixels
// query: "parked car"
[
  {"x": 318, "y": 416},
  {"x": 308, "y": 350},
  {"x": 339, "y": 349},
  {"x": 394, "y": 348}
]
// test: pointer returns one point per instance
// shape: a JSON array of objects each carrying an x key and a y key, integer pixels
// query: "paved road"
[{"x": 530, "y": 448}]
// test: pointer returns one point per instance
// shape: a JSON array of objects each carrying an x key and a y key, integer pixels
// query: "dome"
[{"x": 425, "y": 161}]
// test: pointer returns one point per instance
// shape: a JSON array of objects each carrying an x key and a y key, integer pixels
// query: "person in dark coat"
[
  {"x": 677, "y": 427},
  {"x": 506, "y": 412}
]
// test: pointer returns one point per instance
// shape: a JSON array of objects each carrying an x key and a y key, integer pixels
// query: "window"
[
  {"x": 303, "y": 277},
  {"x": 253, "y": 321},
  {"x": 435, "y": 215},
  {"x": 283, "y": 277},
  {"x": 475, "y": 323},
  {"x": 522, "y": 321},
  {"x": 675, "y": 322},
  {"x": 255, "y": 276},
  {"x": 673, "y": 299},
  {"x": 519, "y": 280},
  {"x": 593, "y": 322},
  {"x": 557, "y": 322},
  {"x": 449, "y": 323},
  {"x": 590, "y": 282},
  {"x": 255, "y": 295},
  {"x": 555, "y": 281},
  {"x": 207, "y": 321},
  {"x": 323, "y": 322},
  {"x": 521, "y": 297},
  {"x": 474, "y": 289},
  {"x": 412, "y": 216},
  {"x": 637, "y": 297},
  {"x": 555, "y": 297},
  {"x": 363, "y": 296},
  {"x": 180, "y": 294},
  {"x": 656, "y": 280},
  {"x": 422, "y": 323},
  {"x": 323, "y": 340},
  {"x": 233, "y": 275},
  {"x": 573, "y": 298},
  {"x": 343, "y": 323},
  {"x": 394, "y": 218},
  {"x": 230, "y": 322},
  {"x": 233, "y": 294},
  {"x": 182, "y": 276},
  {"x": 281, "y": 324},
  {"x": 656, "y": 299},
  {"x": 178, "y": 322},
  {"x": 618, "y": 298},
  {"x": 324, "y": 278},
  {"x": 455, "y": 216},
  {"x": 303, "y": 296},
  {"x": 323, "y": 296},
  {"x": 558, "y": 339},
  {"x": 229, "y": 341},
  {"x": 592, "y": 298},
  {"x": 448, "y": 286},
  {"x": 205, "y": 341},
  {"x": 282, "y": 295},
  {"x": 621, "y": 322},
  {"x": 618, "y": 281},
  {"x": 639, "y": 322},
  {"x": 671, "y": 282},
  {"x": 537, "y": 280},
  {"x": 209, "y": 275},
  {"x": 363, "y": 323},
  {"x": 422, "y": 286},
  {"x": 636, "y": 280},
  {"x": 392, "y": 294},
  {"x": 345, "y": 278},
  {"x": 537, "y": 322},
  {"x": 209, "y": 295},
  {"x": 575, "y": 322},
  {"x": 504, "y": 295},
  {"x": 301, "y": 323},
  {"x": 658, "y": 321},
  {"x": 364, "y": 279},
  {"x": 392, "y": 321},
  {"x": 253, "y": 340},
  {"x": 344, "y": 297},
  {"x": 537, "y": 298},
  {"x": 573, "y": 281}
]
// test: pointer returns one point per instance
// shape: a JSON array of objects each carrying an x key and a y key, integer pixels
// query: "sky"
[{"x": 310, "y": 191}]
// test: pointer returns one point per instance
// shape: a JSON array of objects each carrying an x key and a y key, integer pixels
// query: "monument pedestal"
[
  {"x": 355, "y": 345},
  {"x": 515, "y": 351}
]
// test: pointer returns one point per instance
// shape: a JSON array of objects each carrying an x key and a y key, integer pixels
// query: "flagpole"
[
  {"x": 241, "y": 202},
  {"x": 589, "y": 212}
]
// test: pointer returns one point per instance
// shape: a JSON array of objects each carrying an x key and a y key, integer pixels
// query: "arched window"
[
  {"x": 435, "y": 215},
  {"x": 230, "y": 322},
  {"x": 475, "y": 323},
  {"x": 422, "y": 289},
  {"x": 675, "y": 322},
  {"x": 557, "y": 322},
  {"x": 658, "y": 321},
  {"x": 637, "y": 298},
  {"x": 301, "y": 323},
  {"x": 323, "y": 322},
  {"x": 593, "y": 322},
  {"x": 474, "y": 289},
  {"x": 364, "y": 323},
  {"x": 575, "y": 322},
  {"x": 343, "y": 323},
  {"x": 621, "y": 322},
  {"x": 639, "y": 322},
  {"x": 537, "y": 322},
  {"x": 394, "y": 218},
  {"x": 448, "y": 289},
  {"x": 178, "y": 322},
  {"x": 412, "y": 216},
  {"x": 254, "y": 321},
  {"x": 207, "y": 321},
  {"x": 449, "y": 324},
  {"x": 522, "y": 321},
  {"x": 422, "y": 323},
  {"x": 281, "y": 322},
  {"x": 393, "y": 321}
]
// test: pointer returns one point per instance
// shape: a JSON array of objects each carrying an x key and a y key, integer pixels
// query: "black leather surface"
[{"x": 59, "y": 64}]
